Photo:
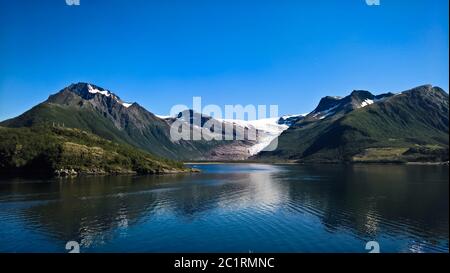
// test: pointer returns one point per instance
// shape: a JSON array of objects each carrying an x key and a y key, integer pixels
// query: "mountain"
[
  {"x": 336, "y": 106},
  {"x": 222, "y": 144},
  {"x": 99, "y": 111},
  {"x": 96, "y": 110},
  {"x": 411, "y": 126},
  {"x": 67, "y": 152},
  {"x": 268, "y": 129},
  {"x": 245, "y": 139}
]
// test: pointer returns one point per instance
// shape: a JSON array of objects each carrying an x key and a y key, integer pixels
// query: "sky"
[{"x": 260, "y": 52}]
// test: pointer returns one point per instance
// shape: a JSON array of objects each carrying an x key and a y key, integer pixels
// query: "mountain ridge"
[{"x": 388, "y": 130}]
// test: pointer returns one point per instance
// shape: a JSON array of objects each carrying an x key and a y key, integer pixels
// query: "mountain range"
[
  {"x": 96, "y": 110},
  {"x": 410, "y": 126}
]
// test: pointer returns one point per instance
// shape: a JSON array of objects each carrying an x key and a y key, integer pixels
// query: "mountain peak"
[
  {"x": 426, "y": 88},
  {"x": 361, "y": 94},
  {"x": 330, "y": 106},
  {"x": 427, "y": 92},
  {"x": 89, "y": 91},
  {"x": 327, "y": 103}
]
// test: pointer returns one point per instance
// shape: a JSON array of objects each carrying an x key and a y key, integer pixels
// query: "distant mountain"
[
  {"x": 241, "y": 148},
  {"x": 267, "y": 130},
  {"x": 412, "y": 126},
  {"x": 224, "y": 144}
]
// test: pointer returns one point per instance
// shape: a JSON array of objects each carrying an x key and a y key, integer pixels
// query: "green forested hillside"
[{"x": 62, "y": 151}]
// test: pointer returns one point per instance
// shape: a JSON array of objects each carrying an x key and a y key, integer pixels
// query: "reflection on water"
[{"x": 233, "y": 208}]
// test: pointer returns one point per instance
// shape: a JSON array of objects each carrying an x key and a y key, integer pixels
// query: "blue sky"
[{"x": 162, "y": 53}]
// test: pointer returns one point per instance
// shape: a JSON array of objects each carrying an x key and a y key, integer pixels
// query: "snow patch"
[
  {"x": 163, "y": 117},
  {"x": 326, "y": 113},
  {"x": 366, "y": 102},
  {"x": 294, "y": 116},
  {"x": 106, "y": 93},
  {"x": 93, "y": 90}
]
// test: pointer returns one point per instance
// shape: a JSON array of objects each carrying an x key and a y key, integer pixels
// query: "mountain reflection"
[
  {"x": 364, "y": 200},
  {"x": 364, "y": 197}
]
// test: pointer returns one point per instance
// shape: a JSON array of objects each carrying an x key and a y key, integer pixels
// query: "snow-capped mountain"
[
  {"x": 88, "y": 92},
  {"x": 268, "y": 129},
  {"x": 332, "y": 106}
]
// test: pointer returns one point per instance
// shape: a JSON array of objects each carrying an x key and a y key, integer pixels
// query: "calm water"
[{"x": 233, "y": 208}]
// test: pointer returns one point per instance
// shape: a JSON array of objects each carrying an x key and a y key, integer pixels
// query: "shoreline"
[
  {"x": 446, "y": 163},
  {"x": 66, "y": 173}
]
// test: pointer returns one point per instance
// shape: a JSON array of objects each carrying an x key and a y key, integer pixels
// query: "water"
[{"x": 233, "y": 208}]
